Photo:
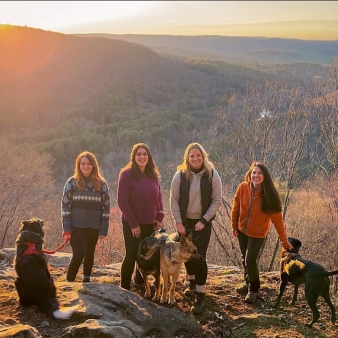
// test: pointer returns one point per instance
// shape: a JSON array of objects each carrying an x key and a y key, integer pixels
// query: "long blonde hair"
[
  {"x": 95, "y": 174},
  {"x": 185, "y": 166}
]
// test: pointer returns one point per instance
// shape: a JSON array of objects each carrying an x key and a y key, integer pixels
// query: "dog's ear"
[
  {"x": 37, "y": 220},
  {"x": 190, "y": 236},
  {"x": 183, "y": 240},
  {"x": 296, "y": 243},
  {"x": 24, "y": 224}
]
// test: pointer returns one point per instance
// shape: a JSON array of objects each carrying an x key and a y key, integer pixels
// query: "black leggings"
[
  {"x": 131, "y": 245},
  {"x": 250, "y": 248},
  {"x": 201, "y": 239},
  {"x": 83, "y": 244}
]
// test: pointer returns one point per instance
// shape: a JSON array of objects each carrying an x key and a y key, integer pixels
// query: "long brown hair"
[
  {"x": 150, "y": 170},
  {"x": 271, "y": 202},
  {"x": 95, "y": 174},
  {"x": 185, "y": 166}
]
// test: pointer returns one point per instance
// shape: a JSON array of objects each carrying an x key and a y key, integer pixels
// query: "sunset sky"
[{"x": 300, "y": 19}]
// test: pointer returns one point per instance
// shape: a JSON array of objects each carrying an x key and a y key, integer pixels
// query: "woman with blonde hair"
[
  {"x": 85, "y": 209},
  {"x": 195, "y": 197}
]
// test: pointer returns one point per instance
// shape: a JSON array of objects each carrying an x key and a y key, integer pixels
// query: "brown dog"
[
  {"x": 172, "y": 256},
  {"x": 297, "y": 270}
]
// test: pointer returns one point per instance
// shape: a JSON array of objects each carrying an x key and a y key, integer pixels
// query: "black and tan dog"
[
  {"x": 297, "y": 270},
  {"x": 34, "y": 283},
  {"x": 172, "y": 255},
  {"x": 148, "y": 260}
]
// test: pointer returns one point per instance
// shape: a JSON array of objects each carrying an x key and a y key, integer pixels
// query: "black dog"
[
  {"x": 297, "y": 270},
  {"x": 34, "y": 283},
  {"x": 148, "y": 259}
]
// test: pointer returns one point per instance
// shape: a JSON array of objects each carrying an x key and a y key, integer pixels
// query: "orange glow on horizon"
[{"x": 30, "y": 51}]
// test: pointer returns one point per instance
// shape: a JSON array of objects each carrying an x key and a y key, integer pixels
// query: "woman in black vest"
[{"x": 195, "y": 197}]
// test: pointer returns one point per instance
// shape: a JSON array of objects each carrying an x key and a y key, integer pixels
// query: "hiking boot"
[
  {"x": 191, "y": 289},
  {"x": 199, "y": 304},
  {"x": 242, "y": 289},
  {"x": 86, "y": 279},
  {"x": 251, "y": 297}
]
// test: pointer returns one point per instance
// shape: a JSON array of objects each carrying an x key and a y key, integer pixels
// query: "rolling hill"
[
  {"x": 65, "y": 93},
  {"x": 235, "y": 48}
]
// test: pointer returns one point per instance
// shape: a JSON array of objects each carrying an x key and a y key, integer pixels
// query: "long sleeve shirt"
[
  {"x": 85, "y": 209},
  {"x": 194, "y": 210},
  {"x": 140, "y": 201},
  {"x": 248, "y": 217}
]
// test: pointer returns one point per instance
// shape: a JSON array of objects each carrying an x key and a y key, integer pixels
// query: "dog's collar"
[
  {"x": 289, "y": 254},
  {"x": 172, "y": 261},
  {"x": 30, "y": 232},
  {"x": 144, "y": 257},
  {"x": 31, "y": 250}
]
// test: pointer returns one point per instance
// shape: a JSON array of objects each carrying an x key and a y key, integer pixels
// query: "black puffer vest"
[{"x": 206, "y": 194}]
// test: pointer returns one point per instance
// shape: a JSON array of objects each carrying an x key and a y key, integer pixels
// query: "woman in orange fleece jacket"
[{"x": 255, "y": 204}]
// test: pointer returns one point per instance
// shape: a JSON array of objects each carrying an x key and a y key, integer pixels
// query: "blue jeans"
[{"x": 250, "y": 248}]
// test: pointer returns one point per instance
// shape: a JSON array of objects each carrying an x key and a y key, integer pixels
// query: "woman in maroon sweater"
[{"x": 140, "y": 201}]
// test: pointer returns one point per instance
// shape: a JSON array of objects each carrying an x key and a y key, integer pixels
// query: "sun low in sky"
[{"x": 294, "y": 19}]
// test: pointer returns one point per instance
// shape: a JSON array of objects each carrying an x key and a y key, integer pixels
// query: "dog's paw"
[
  {"x": 172, "y": 301},
  {"x": 155, "y": 299},
  {"x": 163, "y": 300},
  {"x": 147, "y": 295},
  {"x": 64, "y": 313}
]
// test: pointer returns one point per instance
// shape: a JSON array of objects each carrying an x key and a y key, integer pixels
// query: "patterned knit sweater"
[{"x": 85, "y": 209}]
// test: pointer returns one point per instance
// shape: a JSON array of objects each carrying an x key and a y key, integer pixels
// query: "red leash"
[{"x": 59, "y": 248}]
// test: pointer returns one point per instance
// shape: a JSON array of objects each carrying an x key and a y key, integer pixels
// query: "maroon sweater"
[{"x": 140, "y": 201}]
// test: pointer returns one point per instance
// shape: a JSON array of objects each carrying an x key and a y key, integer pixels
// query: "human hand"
[
  {"x": 157, "y": 225},
  {"x": 67, "y": 235},
  {"x": 235, "y": 233},
  {"x": 136, "y": 232},
  {"x": 288, "y": 247},
  {"x": 199, "y": 226},
  {"x": 180, "y": 228}
]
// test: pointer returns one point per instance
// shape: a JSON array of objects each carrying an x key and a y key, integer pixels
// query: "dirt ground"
[{"x": 226, "y": 314}]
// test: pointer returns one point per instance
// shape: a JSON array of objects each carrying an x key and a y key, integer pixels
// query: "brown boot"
[{"x": 199, "y": 304}]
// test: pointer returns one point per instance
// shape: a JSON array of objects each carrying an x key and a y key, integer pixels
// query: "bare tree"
[
  {"x": 26, "y": 183},
  {"x": 269, "y": 123},
  {"x": 324, "y": 103}
]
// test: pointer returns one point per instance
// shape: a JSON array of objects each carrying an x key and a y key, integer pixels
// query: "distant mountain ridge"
[
  {"x": 240, "y": 49},
  {"x": 64, "y": 93}
]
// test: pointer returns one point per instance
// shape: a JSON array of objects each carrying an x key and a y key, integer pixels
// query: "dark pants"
[
  {"x": 201, "y": 239},
  {"x": 131, "y": 245},
  {"x": 250, "y": 248},
  {"x": 83, "y": 244}
]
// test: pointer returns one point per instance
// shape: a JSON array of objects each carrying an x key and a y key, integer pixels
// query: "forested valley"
[{"x": 62, "y": 94}]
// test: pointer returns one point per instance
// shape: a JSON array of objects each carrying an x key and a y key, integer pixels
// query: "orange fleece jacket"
[{"x": 247, "y": 215}]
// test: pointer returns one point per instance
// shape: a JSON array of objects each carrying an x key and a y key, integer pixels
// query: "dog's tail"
[
  {"x": 331, "y": 273},
  {"x": 64, "y": 313},
  {"x": 51, "y": 307}
]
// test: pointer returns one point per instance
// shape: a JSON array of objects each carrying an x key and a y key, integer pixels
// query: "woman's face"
[
  {"x": 257, "y": 177},
  {"x": 141, "y": 158},
  {"x": 195, "y": 158},
  {"x": 85, "y": 167}
]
